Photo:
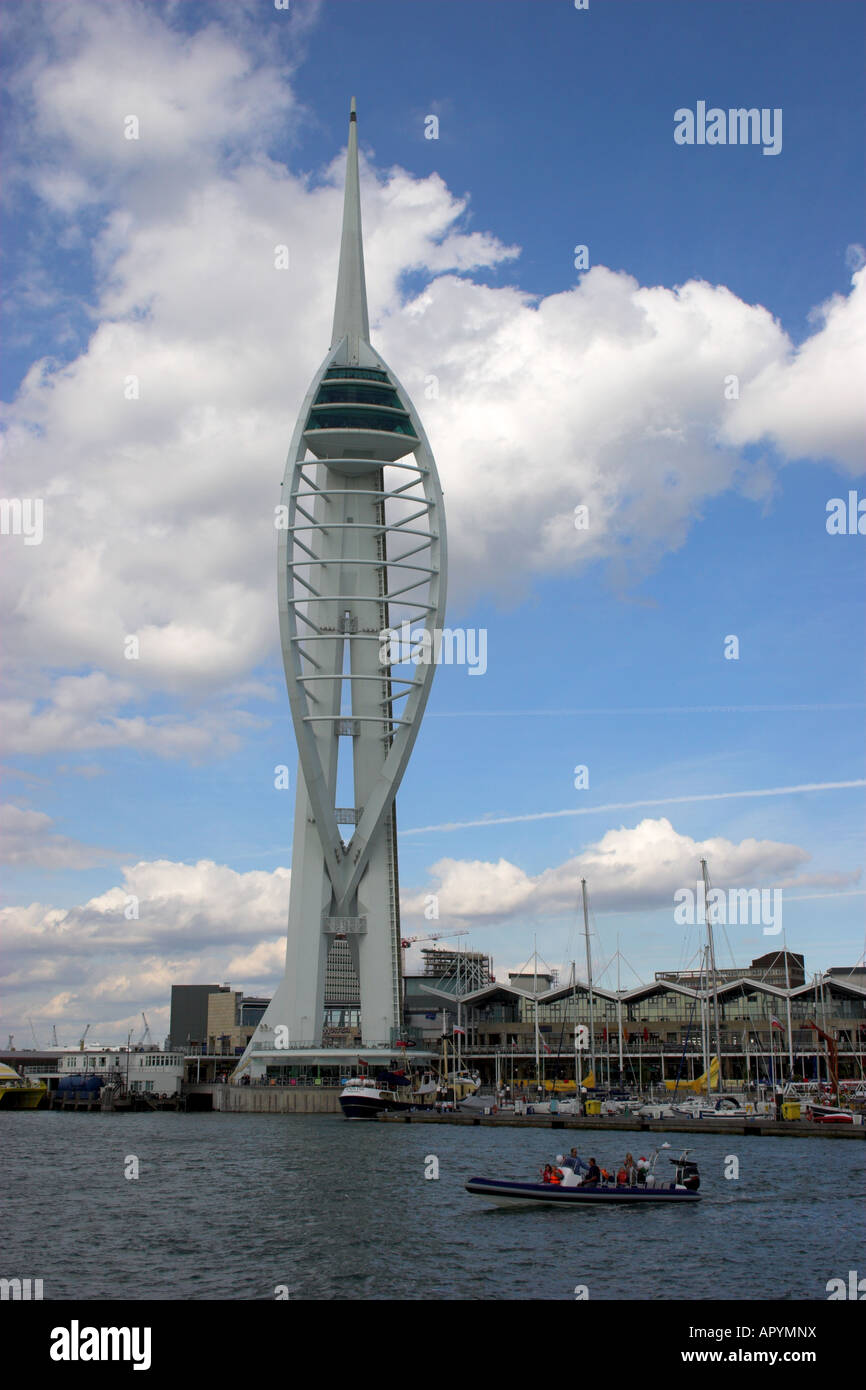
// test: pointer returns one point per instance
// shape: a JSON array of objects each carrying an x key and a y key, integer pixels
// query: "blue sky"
[{"x": 557, "y": 387}]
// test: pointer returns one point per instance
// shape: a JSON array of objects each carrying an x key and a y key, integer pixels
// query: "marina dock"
[{"x": 762, "y": 1128}]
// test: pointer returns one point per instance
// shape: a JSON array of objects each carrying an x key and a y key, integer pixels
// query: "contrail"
[
  {"x": 810, "y": 897},
  {"x": 634, "y": 805},
  {"x": 638, "y": 709}
]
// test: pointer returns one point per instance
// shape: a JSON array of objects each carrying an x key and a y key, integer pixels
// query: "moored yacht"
[{"x": 364, "y": 1098}]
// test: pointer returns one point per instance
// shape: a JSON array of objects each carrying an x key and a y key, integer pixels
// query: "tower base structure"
[{"x": 315, "y": 1065}]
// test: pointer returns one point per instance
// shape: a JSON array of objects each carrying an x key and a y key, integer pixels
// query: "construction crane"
[
  {"x": 147, "y": 1033},
  {"x": 81, "y": 1039},
  {"x": 408, "y": 941},
  {"x": 33, "y": 1031},
  {"x": 832, "y": 1057}
]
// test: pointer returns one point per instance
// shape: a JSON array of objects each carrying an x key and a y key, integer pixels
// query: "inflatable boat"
[{"x": 571, "y": 1192}]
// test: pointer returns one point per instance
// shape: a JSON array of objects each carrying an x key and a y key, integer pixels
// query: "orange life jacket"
[{"x": 555, "y": 1175}]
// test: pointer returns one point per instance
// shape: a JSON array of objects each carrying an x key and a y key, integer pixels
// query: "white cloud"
[
  {"x": 205, "y": 921},
  {"x": 264, "y": 962},
  {"x": 205, "y": 903},
  {"x": 71, "y": 719},
  {"x": 195, "y": 922},
  {"x": 159, "y": 510},
  {"x": 632, "y": 869},
  {"x": 28, "y": 837},
  {"x": 806, "y": 402}
]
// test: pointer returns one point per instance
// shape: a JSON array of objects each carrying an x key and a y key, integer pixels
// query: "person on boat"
[
  {"x": 555, "y": 1174},
  {"x": 593, "y": 1175},
  {"x": 575, "y": 1162},
  {"x": 631, "y": 1169},
  {"x": 545, "y": 1176}
]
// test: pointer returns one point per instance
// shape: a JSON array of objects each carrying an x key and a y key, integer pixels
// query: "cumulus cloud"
[
  {"x": 158, "y": 904},
  {"x": 802, "y": 401},
  {"x": 72, "y": 724},
  {"x": 28, "y": 837},
  {"x": 205, "y": 921},
  {"x": 158, "y": 447},
  {"x": 630, "y": 869},
  {"x": 264, "y": 962},
  {"x": 165, "y": 923}
]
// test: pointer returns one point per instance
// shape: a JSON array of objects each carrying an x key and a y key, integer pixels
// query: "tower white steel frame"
[{"x": 361, "y": 550}]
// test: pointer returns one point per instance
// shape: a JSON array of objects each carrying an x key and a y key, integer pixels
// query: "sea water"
[{"x": 318, "y": 1207}]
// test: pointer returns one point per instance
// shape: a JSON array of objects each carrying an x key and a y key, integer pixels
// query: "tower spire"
[{"x": 350, "y": 309}]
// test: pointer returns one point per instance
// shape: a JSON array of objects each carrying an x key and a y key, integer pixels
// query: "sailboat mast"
[
  {"x": 535, "y": 1001},
  {"x": 619, "y": 1008},
  {"x": 576, "y": 1026},
  {"x": 705, "y": 1024},
  {"x": 458, "y": 1048},
  {"x": 788, "y": 1010},
  {"x": 589, "y": 980},
  {"x": 713, "y": 969}
]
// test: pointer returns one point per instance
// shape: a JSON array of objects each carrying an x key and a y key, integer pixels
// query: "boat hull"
[
  {"x": 22, "y": 1097},
  {"x": 370, "y": 1107},
  {"x": 509, "y": 1194}
]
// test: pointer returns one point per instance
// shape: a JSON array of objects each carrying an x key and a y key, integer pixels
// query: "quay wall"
[{"x": 274, "y": 1100}]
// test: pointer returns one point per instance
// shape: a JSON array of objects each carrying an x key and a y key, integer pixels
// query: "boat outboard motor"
[{"x": 687, "y": 1174}]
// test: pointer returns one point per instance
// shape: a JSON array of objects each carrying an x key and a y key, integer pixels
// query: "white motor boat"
[
  {"x": 365, "y": 1099},
  {"x": 716, "y": 1108}
]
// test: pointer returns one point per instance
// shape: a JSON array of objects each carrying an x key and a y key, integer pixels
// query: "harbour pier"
[{"x": 761, "y": 1127}]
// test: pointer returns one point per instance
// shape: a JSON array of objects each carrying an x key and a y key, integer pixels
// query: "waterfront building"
[
  {"x": 232, "y": 1018},
  {"x": 188, "y": 1017},
  {"x": 783, "y": 968},
  {"x": 657, "y": 1029},
  {"x": 459, "y": 971},
  {"x": 148, "y": 1071},
  {"x": 361, "y": 559}
]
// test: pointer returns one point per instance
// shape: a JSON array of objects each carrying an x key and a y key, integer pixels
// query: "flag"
[
  {"x": 646, "y": 1035},
  {"x": 460, "y": 1031},
  {"x": 544, "y": 1045},
  {"x": 604, "y": 1034},
  {"x": 776, "y": 1024}
]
